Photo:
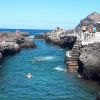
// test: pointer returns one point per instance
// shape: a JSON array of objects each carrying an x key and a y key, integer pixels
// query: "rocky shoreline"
[
  {"x": 60, "y": 37},
  {"x": 83, "y": 59},
  {"x": 89, "y": 58},
  {"x": 11, "y": 43}
]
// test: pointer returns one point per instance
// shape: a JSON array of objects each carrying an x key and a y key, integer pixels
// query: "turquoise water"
[{"x": 50, "y": 79}]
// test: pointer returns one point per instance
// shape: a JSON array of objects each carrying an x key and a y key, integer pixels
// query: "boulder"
[
  {"x": 11, "y": 43},
  {"x": 63, "y": 39},
  {"x": 9, "y": 48},
  {"x": 90, "y": 61},
  {"x": 28, "y": 43},
  {"x": 39, "y": 36},
  {"x": 91, "y": 19}
]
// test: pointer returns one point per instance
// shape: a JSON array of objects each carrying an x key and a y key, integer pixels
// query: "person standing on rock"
[
  {"x": 90, "y": 29},
  {"x": 83, "y": 31},
  {"x": 17, "y": 32},
  {"x": 94, "y": 31},
  {"x": 90, "y": 32}
]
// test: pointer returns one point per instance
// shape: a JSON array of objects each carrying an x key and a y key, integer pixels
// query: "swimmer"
[{"x": 29, "y": 75}]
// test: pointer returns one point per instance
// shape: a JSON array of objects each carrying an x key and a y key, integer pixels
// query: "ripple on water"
[
  {"x": 59, "y": 68},
  {"x": 50, "y": 79}
]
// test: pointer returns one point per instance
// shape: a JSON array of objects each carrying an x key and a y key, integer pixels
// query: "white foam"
[
  {"x": 40, "y": 59},
  {"x": 79, "y": 76},
  {"x": 68, "y": 53},
  {"x": 59, "y": 68},
  {"x": 61, "y": 49}
]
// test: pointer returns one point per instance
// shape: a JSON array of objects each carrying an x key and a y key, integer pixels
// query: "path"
[{"x": 89, "y": 39}]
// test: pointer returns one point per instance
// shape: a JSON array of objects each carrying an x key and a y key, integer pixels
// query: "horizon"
[
  {"x": 43, "y": 14},
  {"x": 22, "y": 29}
]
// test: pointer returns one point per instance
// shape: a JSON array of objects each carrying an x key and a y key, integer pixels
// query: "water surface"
[{"x": 50, "y": 79}]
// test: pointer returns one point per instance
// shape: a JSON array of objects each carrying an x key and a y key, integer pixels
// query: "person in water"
[{"x": 29, "y": 75}]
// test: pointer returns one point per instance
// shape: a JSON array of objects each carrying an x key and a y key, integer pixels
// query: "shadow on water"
[{"x": 1, "y": 71}]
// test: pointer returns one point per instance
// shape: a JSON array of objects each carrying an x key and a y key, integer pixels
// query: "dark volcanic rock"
[
  {"x": 28, "y": 43},
  {"x": 98, "y": 26},
  {"x": 90, "y": 61},
  {"x": 21, "y": 39},
  {"x": 25, "y": 34},
  {"x": 67, "y": 41},
  {"x": 64, "y": 39},
  {"x": 11, "y": 43},
  {"x": 39, "y": 36},
  {"x": 9, "y": 48}
]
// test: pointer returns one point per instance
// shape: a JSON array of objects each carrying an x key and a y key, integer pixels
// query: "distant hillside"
[{"x": 91, "y": 19}]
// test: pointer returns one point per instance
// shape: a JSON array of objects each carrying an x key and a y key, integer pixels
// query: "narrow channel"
[{"x": 50, "y": 79}]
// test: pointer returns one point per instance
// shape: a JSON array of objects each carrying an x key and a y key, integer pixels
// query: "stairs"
[{"x": 72, "y": 60}]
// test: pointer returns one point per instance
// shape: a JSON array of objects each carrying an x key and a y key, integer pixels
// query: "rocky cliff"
[
  {"x": 91, "y": 19},
  {"x": 90, "y": 61},
  {"x": 60, "y": 37},
  {"x": 10, "y": 43}
]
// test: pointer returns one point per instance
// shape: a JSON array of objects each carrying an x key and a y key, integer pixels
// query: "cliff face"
[
  {"x": 91, "y": 19},
  {"x": 98, "y": 26},
  {"x": 60, "y": 37},
  {"x": 11, "y": 44},
  {"x": 90, "y": 61}
]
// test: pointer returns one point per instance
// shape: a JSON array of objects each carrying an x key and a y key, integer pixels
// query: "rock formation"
[
  {"x": 10, "y": 43},
  {"x": 60, "y": 37},
  {"x": 28, "y": 43},
  {"x": 91, "y": 19},
  {"x": 98, "y": 26},
  {"x": 39, "y": 36},
  {"x": 90, "y": 61}
]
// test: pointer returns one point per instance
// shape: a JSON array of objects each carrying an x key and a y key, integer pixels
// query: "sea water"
[{"x": 50, "y": 79}]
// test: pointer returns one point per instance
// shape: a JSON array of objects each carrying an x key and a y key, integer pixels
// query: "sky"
[{"x": 45, "y": 14}]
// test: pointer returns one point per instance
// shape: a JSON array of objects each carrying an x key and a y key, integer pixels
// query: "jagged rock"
[
  {"x": 91, "y": 19},
  {"x": 39, "y": 36},
  {"x": 67, "y": 41},
  {"x": 9, "y": 48},
  {"x": 90, "y": 61},
  {"x": 98, "y": 26},
  {"x": 25, "y": 34},
  {"x": 22, "y": 39},
  {"x": 61, "y": 38},
  {"x": 28, "y": 43},
  {"x": 10, "y": 43}
]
